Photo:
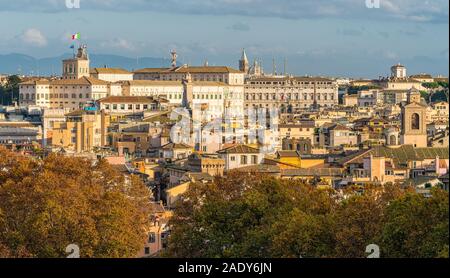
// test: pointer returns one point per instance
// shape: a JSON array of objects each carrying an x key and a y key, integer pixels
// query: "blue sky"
[{"x": 318, "y": 37}]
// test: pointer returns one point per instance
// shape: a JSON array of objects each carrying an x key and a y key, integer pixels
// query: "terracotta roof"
[
  {"x": 82, "y": 81},
  {"x": 189, "y": 69},
  {"x": 427, "y": 76},
  {"x": 19, "y": 124},
  {"x": 260, "y": 168},
  {"x": 296, "y": 78},
  {"x": 339, "y": 127},
  {"x": 78, "y": 112},
  {"x": 288, "y": 154},
  {"x": 400, "y": 155},
  {"x": 36, "y": 81},
  {"x": 403, "y": 80},
  {"x": 213, "y": 69},
  {"x": 320, "y": 172},
  {"x": 109, "y": 71},
  {"x": 173, "y": 146},
  {"x": 445, "y": 79},
  {"x": 238, "y": 150},
  {"x": 151, "y": 70}
]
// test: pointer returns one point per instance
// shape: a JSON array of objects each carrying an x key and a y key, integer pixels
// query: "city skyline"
[
  {"x": 224, "y": 129},
  {"x": 362, "y": 42}
]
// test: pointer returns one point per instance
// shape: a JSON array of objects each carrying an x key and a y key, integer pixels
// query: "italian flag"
[{"x": 76, "y": 36}]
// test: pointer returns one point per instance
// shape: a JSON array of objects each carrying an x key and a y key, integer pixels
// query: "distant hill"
[{"x": 23, "y": 64}]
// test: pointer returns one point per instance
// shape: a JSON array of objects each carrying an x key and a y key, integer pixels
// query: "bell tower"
[
  {"x": 243, "y": 62},
  {"x": 414, "y": 128},
  {"x": 78, "y": 66}
]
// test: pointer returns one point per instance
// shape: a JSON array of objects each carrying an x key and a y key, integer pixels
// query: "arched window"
[{"x": 415, "y": 121}]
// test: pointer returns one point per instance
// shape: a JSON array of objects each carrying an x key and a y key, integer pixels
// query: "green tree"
[
  {"x": 416, "y": 226},
  {"x": 431, "y": 85},
  {"x": 247, "y": 215},
  {"x": 10, "y": 91},
  {"x": 443, "y": 84}
]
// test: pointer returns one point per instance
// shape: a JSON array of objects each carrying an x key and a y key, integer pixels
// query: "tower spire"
[
  {"x": 243, "y": 62},
  {"x": 244, "y": 55}
]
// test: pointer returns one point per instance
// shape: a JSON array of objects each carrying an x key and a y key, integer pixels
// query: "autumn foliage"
[
  {"x": 47, "y": 204},
  {"x": 251, "y": 216}
]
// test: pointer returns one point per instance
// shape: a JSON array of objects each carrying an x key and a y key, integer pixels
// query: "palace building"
[
  {"x": 290, "y": 93},
  {"x": 75, "y": 89}
]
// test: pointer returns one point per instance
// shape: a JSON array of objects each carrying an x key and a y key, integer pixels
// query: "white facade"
[
  {"x": 111, "y": 74},
  {"x": 226, "y": 75},
  {"x": 398, "y": 71},
  {"x": 290, "y": 93},
  {"x": 68, "y": 93},
  {"x": 240, "y": 156}
]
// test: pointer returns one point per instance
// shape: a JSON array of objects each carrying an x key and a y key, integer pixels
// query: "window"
[
  {"x": 415, "y": 121},
  {"x": 254, "y": 159},
  {"x": 151, "y": 237},
  {"x": 243, "y": 160},
  {"x": 147, "y": 250},
  {"x": 233, "y": 158}
]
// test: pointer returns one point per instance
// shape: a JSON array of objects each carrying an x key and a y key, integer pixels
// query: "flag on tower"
[{"x": 76, "y": 36}]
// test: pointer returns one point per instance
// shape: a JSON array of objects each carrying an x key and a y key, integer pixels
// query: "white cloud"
[
  {"x": 118, "y": 43},
  {"x": 33, "y": 37}
]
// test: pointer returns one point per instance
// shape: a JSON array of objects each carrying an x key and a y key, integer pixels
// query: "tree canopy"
[
  {"x": 45, "y": 205},
  {"x": 10, "y": 91},
  {"x": 264, "y": 217}
]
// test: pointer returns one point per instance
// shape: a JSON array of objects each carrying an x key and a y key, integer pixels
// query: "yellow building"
[
  {"x": 81, "y": 132},
  {"x": 293, "y": 160},
  {"x": 147, "y": 166}
]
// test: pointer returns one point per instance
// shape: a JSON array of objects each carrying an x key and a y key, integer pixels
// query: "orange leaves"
[{"x": 47, "y": 204}]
